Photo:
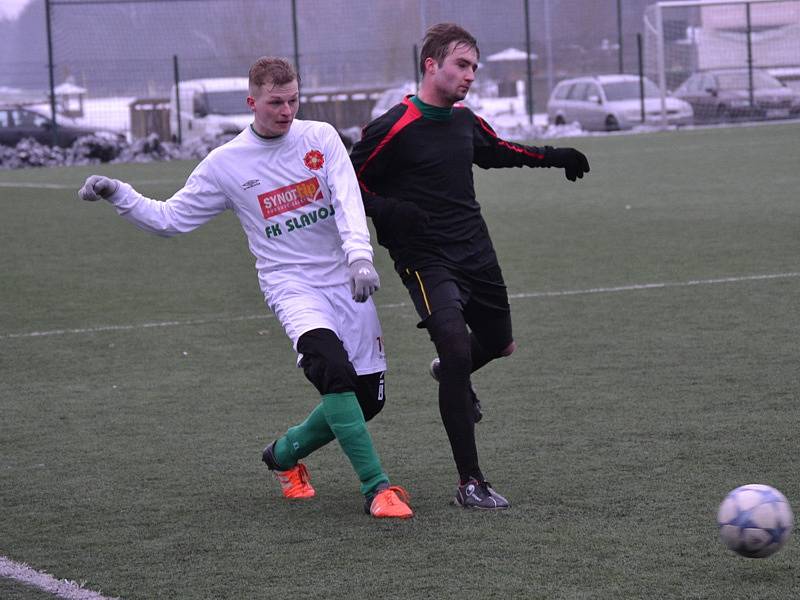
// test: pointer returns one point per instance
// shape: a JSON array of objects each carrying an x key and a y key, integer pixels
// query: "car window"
[
  {"x": 709, "y": 83},
  {"x": 226, "y": 102},
  {"x": 591, "y": 90},
  {"x": 578, "y": 91},
  {"x": 5, "y": 118},
  {"x": 26, "y": 118},
  {"x": 691, "y": 85},
  {"x": 562, "y": 91},
  {"x": 627, "y": 90},
  {"x": 740, "y": 80}
]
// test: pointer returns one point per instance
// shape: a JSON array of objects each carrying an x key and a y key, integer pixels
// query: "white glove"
[
  {"x": 96, "y": 187},
  {"x": 364, "y": 280}
]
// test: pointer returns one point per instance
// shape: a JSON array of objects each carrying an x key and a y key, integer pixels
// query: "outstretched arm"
[
  {"x": 493, "y": 152},
  {"x": 196, "y": 203}
]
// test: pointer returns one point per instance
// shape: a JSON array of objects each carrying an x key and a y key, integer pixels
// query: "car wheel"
[
  {"x": 611, "y": 123},
  {"x": 723, "y": 114},
  {"x": 560, "y": 120}
]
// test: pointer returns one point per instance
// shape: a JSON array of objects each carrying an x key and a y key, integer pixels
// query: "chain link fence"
[
  {"x": 113, "y": 63},
  {"x": 116, "y": 61}
]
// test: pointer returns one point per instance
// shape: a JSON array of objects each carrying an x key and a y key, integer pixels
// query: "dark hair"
[
  {"x": 270, "y": 69},
  {"x": 436, "y": 44}
]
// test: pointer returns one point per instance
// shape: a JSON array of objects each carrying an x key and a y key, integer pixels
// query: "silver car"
[
  {"x": 724, "y": 95},
  {"x": 611, "y": 103}
]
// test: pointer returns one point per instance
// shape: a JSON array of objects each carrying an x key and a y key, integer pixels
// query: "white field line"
[
  {"x": 61, "y": 588},
  {"x": 655, "y": 286},
  {"x": 73, "y": 186},
  {"x": 552, "y": 294}
]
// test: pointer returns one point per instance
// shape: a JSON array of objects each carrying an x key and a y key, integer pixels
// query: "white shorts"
[{"x": 301, "y": 308}]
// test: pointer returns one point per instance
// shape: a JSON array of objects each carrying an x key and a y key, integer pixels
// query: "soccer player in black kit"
[{"x": 414, "y": 164}]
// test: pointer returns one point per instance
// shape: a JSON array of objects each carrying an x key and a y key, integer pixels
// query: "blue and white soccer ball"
[{"x": 755, "y": 520}]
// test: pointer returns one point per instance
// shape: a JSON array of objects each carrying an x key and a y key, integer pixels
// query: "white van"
[{"x": 210, "y": 107}]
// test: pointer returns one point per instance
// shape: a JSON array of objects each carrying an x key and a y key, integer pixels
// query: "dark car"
[
  {"x": 18, "y": 123},
  {"x": 724, "y": 95}
]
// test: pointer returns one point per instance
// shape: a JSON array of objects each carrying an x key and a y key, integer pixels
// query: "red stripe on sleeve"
[{"x": 506, "y": 144}]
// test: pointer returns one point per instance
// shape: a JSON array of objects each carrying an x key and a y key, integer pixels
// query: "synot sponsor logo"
[{"x": 289, "y": 197}]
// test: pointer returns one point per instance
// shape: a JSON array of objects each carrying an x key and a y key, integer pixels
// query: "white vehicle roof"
[
  {"x": 216, "y": 84},
  {"x": 615, "y": 78}
]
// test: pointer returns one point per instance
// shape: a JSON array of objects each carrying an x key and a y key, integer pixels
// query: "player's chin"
[{"x": 455, "y": 98}]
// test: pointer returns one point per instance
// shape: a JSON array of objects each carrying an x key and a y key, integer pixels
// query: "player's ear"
[
  {"x": 431, "y": 65},
  {"x": 251, "y": 102}
]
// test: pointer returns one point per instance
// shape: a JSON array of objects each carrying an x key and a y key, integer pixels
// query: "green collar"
[{"x": 434, "y": 113}]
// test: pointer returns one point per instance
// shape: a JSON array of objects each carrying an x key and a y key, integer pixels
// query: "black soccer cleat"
[
  {"x": 480, "y": 496},
  {"x": 476, "y": 404},
  {"x": 268, "y": 457}
]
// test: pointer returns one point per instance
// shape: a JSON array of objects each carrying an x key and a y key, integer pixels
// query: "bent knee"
[{"x": 509, "y": 350}]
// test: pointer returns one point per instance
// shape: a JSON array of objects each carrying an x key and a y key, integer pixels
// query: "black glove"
[
  {"x": 574, "y": 163},
  {"x": 403, "y": 219}
]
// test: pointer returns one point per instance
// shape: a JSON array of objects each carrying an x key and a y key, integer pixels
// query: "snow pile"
[{"x": 92, "y": 150}]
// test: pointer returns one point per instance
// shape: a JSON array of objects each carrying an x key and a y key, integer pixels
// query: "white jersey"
[{"x": 296, "y": 196}]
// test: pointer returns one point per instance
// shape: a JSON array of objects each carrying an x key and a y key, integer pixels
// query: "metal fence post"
[
  {"x": 50, "y": 72},
  {"x": 619, "y": 35},
  {"x": 529, "y": 94},
  {"x": 749, "y": 55},
  {"x": 177, "y": 77},
  {"x": 641, "y": 73},
  {"x": 296, "y": 49},
  {"x": 415, "y": 50}
]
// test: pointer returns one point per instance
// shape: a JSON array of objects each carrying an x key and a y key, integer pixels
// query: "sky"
[{"x": 10, "y": 9}]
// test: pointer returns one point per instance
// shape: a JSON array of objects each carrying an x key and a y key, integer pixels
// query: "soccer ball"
[{"x": 754, "y": 520}]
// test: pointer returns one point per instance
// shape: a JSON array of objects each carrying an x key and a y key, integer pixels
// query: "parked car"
[
  {"x": 612, "y": 102},
  {"x": 19, "y": 122},
  {"x": 724, "y": 95}
]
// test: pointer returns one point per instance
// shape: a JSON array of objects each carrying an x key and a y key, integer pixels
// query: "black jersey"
[{"x": 404, "y": 156}]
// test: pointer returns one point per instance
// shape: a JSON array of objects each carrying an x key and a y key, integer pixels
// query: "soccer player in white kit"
[{"x": 292, "y": 186}]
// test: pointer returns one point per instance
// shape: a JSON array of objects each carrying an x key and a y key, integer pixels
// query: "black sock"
[{"x": 455, "y": 408}]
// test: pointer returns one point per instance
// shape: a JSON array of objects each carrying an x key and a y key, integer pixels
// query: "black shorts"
[{"x": 480, "y": 295}]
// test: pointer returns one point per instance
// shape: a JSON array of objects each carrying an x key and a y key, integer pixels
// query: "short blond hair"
[{"x": 271, "y": 69}]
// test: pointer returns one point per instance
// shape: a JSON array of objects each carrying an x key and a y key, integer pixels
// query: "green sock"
[
  {"x": 344, "y": 417},
  {"x": 301, "y": 440}
]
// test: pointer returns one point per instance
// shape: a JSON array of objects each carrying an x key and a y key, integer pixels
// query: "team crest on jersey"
[
  {"x": 289, "y": 197},
  {"x": 314, "y": 159}
]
